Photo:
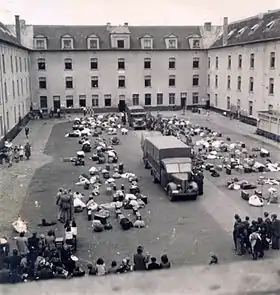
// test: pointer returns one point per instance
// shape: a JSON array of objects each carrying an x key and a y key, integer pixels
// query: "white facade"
[
  {"x": 263, "y": 73},
  {"x": 15, "y": 85}
]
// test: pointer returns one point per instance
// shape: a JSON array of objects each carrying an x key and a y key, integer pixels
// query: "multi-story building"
[{"x": 15, "y": 83}]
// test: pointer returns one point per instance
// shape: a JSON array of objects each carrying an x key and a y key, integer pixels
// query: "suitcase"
[{"x": 245, "y": 195}]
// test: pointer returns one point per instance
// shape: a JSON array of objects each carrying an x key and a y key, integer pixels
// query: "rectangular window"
[
  {"x": 107, "y": 100},
  {"x": 121, "y": 64},
  {"x": 270, "y": 108},
  {"x": 82, "y": 101},
  {"x": 41, "y": 64},
  {"x": 172, "y": 43},
  {"x": 251, "y": 84},
  {"x": 217, "y": 62},
  {"x": 196, "y": 63},
  {"x": 171, "y": 98},
  {"x": 159, "y": 98},
  {"x": 18, "y": 91},
  {"x": 67, "y": 44},
  {"x": 43, "y": 102},
  {"x": 216, "y": 81},
  {"x": 209, "y": 62},
  {"x": 69, "y": 83},
  {"x": 208, "y": 80},
  {"x": 147, "y": 63},
  {"x": 68, "y": 64},
  {"x": 40, "y": 44},
  {"x": 94, "y": 64},
  {"x": 147, "y": 43},
  {"x": 20, "y": 64},
  {"x": 228, "y": 82},
  {"x": 21, "y": 86},
  {"x": 6, "y": 91},
  {"x": 229, "y": 62},
  {"x": 271, "y": 86},
  {"x": 93, "y": 44},
  {"x": 120, "y": 43},
  {"x": 240, "y": 61},
  {"x": 172, "y": 63},
  {"x": 272, "y": 60},
  {"x": 95, "y": 100},
  {"x": 69, "y": 101},
  {"x": 42, "y": 83},
  {"x": 228, "y": 103},
  {"x": 239, "y": 83},
  {"x": 195, "y": 97},
  {"x": 195, "y": 80},
  {"x": 94, "y": 82},
  {"x": 250, "y": 108},
  {"x": 172, "y": 81},
  {"x": 16, "y": 64},
  {"x": 238, "y": 104},
  {"x": 12, "y": 64},
  {"x": 15, "y": 114},
  {"x": 252, "y": 61},
  {"x": 147, "y": 81},
  {"x": 216, "y": 99},
  {"x": 121, "y": 82},
  {"x": 3, "y": 64},
  {"x": 148, "y": 99},
  {"x": 25, "y": 64},
  {"x": 13, "y": 89},
  {"x": 135, "y": 99}
]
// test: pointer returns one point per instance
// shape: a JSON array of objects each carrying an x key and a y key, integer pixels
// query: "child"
[
  {"x": 21, "y": 152},
  {"x": 213, "y": 259}
]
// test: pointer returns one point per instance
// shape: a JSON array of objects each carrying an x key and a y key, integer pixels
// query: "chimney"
[
  {"x": 125, "y": 24},
  {"x": 225, "y": 31},
  {"x": 18, "y": 29},
  {"x": 108, "y": 26},
  {"x": 207, "y": 26}
]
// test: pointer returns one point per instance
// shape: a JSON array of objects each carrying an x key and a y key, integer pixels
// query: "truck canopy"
[{"x": 135, "y": 109}]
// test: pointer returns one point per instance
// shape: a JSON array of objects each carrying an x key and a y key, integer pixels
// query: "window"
[
  {"x": 69, "y": 83},
  {"x": 240, "y": 61},
  {"x": 21, "y": 86},
  {"x": 172, "y": 81},
  {"x": 120, "y": 43},
  {"x": 271, "y": 86},
  {"x": 229, "y": 62},
  {"x": 196, "y": 44},
  {"x": 82, "y": 101},
  {"x": 43, "y": 102},
  {"x": 41, "y": 64},
  {"x": 147, "y": 43},
  {"x": 254, "y": 28},
  {"x": 95, "y": 100},
  {"x": 94, "y": 82},
  {"x": 18, "y": 93},
  {"x": 209, "y": 62},
  {"x": 159, "y": 98},
  {"x": 68, "y": 64},
  {"x": 147, "y": 63},
  {"x": 148, "y": 99},
  {"x": 15, "y": 114},
  {"x": 216, "y": 81},
  {"x": 107, "y": 100},
  {"x": 20, "y": 64},
  {"x": 25, "y": 64},
  {"x": 216, "y": 99},
  {"x": 16, "y": 63},
  {"x": 67, "y": 43},
  {"x": 12, "y": 64},
  {"x": 6, "y": 91},
  {"x": 121, "y": 82},
  {"x": 121, "y": 64},
  {"x": 40, "y": 44},
  {"x": 195, "y": 98},
  {"x": 8, "y": 120},
  {"x": 239, "y": 83},
  {"x": 13, "y": 89},
  {"x": 92, "y": 43},
  {"x": 270, "y": 107},
  {"x": 94, "y": 64},
  {"x": 195, "y": 63},
  {"x": 147, "y": 81},
  {"x": 69, "y": 101},
  {"x": 270, "y": 25},
  {"x": 251, "y": 84},
  {"x": 272, "y": 60},
  {"x": 3, "y": 64},
  {"x": 250, "y": 108},
  {"x": 217, "y": 62},
  {"x": 228, "y": 103},
  {"x": 195, "y": 80},
  {"x": 228, "y": 82},
  {"x": 172, "y": 43},
  {"x": 172, "y": 63},
  {"x": 252, "y": 60},
  {"x": 238, "y": 104},
  {"x": 208, "y": 80},
  {"x": 171, "y": 98},
  {"x": 135, "y": 99},
  {"x": 42, "y": 83}
]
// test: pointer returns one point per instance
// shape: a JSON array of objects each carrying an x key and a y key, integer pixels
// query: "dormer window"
[
  {"x": 254, "y": 28},
  {"x": 67, "y": 42},
  {"x": 40, "y": 42},
  {"x": 93, "y": 42},
  {"x": 120, "y": 43},
  {"x": 241, "y": 31},
  {"x": 171, "y": 43},
  {"x": 147, "y": 43},
  {"x": 231, "y": 33},
  {"x": 196, "y": 43},
  {"x": 270, "y": 25}
]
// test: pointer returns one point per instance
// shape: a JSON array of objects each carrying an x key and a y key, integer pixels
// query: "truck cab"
[{"x": 136, "y": 116}]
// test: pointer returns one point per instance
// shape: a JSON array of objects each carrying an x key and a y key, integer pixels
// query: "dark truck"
[
  {"x": 136, "y": 116},
  {"x": 170, "y": 161}
]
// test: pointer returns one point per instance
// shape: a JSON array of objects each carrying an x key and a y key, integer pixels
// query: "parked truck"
[
  {"x": 170, "y": 161},
  {"x": 136, "y": 116}
]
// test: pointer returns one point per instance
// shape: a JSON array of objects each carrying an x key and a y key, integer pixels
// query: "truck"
[
  {"x": 170, "y": 161},
  {"x": 136, "y": 116}
]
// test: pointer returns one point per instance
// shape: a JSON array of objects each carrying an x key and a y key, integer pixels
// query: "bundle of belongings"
[
  {"x": 19, "y": 225},
  {"x": 236, "y": 184},
  {"x": 80, "y": 158},
  {"x": 255, "y": 200}
]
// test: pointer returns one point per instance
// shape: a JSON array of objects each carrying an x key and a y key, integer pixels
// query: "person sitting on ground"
[
  {"x": 165, "y": 263},
  {"x": 50, "y": 241},
  {"x": 100, "y": 267},
  {"x": 91, "y": 270},
  {"x": 125, "y": 265},
  {"x": 114, "y": 268},
  {"x": 139, "y": 223},
  {"x": 153, "y": 265},
  {"x": 140, "y": 260},
  {"x": 213, "y": 259},
  {"x": 78, "y": 272},
  {"x": 44, "y": 222}
]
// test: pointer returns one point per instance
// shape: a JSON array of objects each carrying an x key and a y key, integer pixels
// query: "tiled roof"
[
  {"x": 6, "y": 35},
  {"x": 80, "y": 33},
  {"x": 259, "y": 34}
]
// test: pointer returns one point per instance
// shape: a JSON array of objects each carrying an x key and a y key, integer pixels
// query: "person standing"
[
  {"x": 27, "y": 132},
  {"x": 140, "y": 259}
]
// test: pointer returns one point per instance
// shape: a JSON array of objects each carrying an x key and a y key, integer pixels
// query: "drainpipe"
[{"x": 3, "y": 99}]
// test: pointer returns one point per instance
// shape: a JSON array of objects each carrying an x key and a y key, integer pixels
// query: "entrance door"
[
  {"x": 183, "y": 99},
  {"x": 56, "y": 103},
  {"x": 122, "y": 105}
]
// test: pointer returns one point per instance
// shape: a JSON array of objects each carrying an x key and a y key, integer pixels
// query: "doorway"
[
  {"x": 56, "y": 103},
  {"x": 122, "y": 105},
  {"x": 183, "y": 100},
  {"x": 207, "y": 103}
]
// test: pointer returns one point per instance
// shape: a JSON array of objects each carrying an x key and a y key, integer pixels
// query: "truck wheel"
[{"x": 170, "y": 195}]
